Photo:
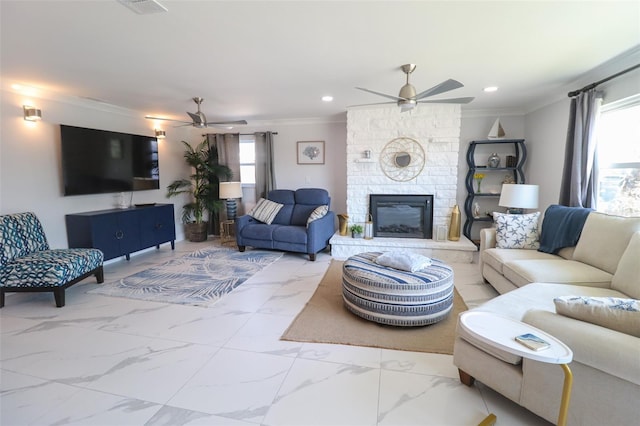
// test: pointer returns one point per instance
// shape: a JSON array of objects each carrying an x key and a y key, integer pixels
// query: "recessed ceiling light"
[
  {"x": 327, "y": 98},
  {"x": 491, "y": 89}
]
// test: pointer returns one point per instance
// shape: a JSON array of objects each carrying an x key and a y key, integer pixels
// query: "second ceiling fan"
[
  {"x": 198, "y": 119},
  {"x": 407, "y": 99}
]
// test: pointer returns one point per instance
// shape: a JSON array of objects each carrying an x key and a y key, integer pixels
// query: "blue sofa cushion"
[
  {"x": 291, "y": 234},
  {"x": 49, "y": 267},
  {"x": 259, "y": 231},
  {"x": 287, "y": 199},
  {"x": 307, "y": 199}
]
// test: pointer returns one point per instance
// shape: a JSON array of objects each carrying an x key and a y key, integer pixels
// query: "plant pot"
[
  {"x": 196, "y": 232},
  {"x": 356, "y": 235}
]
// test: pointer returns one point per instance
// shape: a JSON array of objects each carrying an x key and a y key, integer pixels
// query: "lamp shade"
[
  {"x": 230, "y": 190},
  {"x": 519, "y": 196}
]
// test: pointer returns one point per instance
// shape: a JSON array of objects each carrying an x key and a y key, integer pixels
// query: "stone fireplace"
[{"x": 436, "y": 129}]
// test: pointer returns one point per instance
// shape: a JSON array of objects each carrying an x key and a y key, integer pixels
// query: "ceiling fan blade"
[
  {"x": 448, "y": 101},
  {"x": 445, "y": 86},
  {"x": 226, "y": 123},
  {"x": 395, "y": 98},
  {"x": 377, "y": 103},
  {"x": 195, "y": 117},
  {"x": 149, "y": 117}
]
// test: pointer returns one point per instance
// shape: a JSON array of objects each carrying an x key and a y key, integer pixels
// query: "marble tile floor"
[{"x": 113, "y": 361}]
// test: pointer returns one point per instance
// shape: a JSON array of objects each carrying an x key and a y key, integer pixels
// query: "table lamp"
[
  {"x": 231, "y": 191},
  {"x": 517, "y": 197}
]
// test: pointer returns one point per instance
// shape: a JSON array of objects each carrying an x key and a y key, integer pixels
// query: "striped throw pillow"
[
  {"x": 320, "y": 211},
  {"x": 265, "y": 211}
]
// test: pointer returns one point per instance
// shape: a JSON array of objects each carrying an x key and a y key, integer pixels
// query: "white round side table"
[{"x": 500, "y": 332}]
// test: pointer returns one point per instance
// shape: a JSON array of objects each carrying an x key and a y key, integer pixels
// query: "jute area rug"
[{"x": 324, "y": 319}]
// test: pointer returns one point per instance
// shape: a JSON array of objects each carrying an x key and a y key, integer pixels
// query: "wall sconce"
[
  {"x": 32, "y": 113},
  {"x": 161, "y": 134}
]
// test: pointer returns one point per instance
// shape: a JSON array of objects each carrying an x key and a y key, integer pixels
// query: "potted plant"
[
  {"x": 202, "y": 186},
  {"x": 356, "y": 231}
]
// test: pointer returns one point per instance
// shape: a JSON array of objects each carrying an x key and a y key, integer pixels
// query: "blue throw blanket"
[{"x": 561, "y": 227}]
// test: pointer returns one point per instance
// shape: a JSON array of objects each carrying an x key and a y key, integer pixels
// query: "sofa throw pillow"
[
  {"x": 613, "y": 313},
  {"x": 265, "y": 210},
  {"x": 320, "y": 211},
  {"x": 405, "y": 261},
  {"x": 517, "y": 231}
]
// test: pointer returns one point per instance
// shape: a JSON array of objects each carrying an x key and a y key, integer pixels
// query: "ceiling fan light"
[{"x": 406, "y": 105}]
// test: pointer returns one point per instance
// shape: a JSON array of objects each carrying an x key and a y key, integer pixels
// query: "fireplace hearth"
[{"x": 402, "y": 215}]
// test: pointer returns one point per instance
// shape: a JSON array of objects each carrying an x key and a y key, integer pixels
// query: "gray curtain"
[
  {"x": 580, "y": 174},
  {"x": 228, "y": 145},
  {"x": 265, "y": 175},
  {"x": 228, "y": 148}
]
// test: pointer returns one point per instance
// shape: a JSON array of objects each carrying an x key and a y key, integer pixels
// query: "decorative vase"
[
  {"x": 342, "y": 223},
  {"x": 476, "y": 210},
  {"x": 479, "y": 182},
  {"x": 494, "y": 160},
  {"x": 454, "y": 226}
]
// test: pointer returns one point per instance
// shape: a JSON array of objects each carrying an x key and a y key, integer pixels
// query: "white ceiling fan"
[
  {"x": 407, "y": 99},
  {"x": 199, "y": 119}
]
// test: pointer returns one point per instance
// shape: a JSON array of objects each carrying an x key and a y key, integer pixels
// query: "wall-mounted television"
[{"x": 100, "y": 161}]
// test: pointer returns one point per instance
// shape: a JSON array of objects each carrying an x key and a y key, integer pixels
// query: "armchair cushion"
[{"x": 50, "y": 268}]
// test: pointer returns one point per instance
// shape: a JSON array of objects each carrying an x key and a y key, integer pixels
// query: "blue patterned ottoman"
[{"x": 395, "y": 297}]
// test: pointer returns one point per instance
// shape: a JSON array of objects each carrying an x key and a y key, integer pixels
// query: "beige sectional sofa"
[{"x": 606, "y": 364}]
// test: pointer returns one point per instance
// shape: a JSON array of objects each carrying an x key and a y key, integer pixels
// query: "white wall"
[
  {"x": 331, "y": 175},
  {"x": 30, "y": 163}
]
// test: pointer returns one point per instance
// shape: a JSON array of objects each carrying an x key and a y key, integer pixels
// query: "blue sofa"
[
  {"x": 289, "y": 230},
  {"x": 27, "y": 263}
]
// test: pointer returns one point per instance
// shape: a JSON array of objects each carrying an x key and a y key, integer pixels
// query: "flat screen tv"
[{"x": 100, "y": 161}]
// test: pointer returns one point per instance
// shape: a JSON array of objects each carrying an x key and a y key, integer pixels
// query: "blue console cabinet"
[{"x": 120, "y": 232}]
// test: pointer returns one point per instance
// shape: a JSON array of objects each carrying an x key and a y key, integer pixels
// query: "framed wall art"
[{"x": 310, "y": 152}]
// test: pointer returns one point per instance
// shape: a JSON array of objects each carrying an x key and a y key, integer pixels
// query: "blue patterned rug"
[{"x": 200, "y": 278}]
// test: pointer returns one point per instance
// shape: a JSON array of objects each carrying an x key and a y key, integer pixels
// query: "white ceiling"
[{"x": 267, "y": 60}]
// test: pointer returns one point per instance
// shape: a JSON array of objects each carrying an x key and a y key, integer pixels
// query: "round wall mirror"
[{"x": 402, "y": 159}]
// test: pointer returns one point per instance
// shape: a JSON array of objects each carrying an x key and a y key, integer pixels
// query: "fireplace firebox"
[{"x": 402, "y": 215}]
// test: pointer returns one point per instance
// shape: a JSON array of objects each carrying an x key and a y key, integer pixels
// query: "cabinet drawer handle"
[{"x": 119, "y": 235}]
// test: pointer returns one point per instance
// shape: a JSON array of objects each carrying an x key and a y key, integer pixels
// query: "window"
[
  {"x": 618, "y": 135},
  {"x": 247, "y": 160}
]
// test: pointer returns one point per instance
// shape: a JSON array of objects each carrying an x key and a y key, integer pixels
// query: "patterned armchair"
[{"x": 28, "y": 265}]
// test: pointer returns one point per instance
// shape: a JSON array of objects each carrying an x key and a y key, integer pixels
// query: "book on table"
[{"x": 532, "y": 342}]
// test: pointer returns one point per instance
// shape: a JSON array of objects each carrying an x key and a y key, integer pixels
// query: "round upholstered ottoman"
[{"x": 396, "y": 297}]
